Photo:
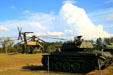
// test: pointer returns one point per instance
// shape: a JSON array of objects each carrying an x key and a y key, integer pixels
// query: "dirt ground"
[{"x": 30, "y": 64}]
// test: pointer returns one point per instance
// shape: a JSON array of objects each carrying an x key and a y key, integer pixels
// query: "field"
[{"x": 30, "y": 64}]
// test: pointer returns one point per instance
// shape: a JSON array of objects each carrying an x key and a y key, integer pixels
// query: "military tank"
[{"x": 77, "y": 56}]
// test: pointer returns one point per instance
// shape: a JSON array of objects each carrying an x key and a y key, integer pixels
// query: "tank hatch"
[
  {"x": 85, "y": 44},
  {"x": 80, "y": 43}
]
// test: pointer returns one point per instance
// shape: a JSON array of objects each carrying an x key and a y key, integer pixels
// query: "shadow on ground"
[
  {"x": 33, "y": 67},
  {"x": 40, "y": 67}
]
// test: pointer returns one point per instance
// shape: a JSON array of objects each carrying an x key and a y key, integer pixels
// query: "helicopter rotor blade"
[
  {"x": 19, "y": 33},
  {"x": 41, "y": 40},
  {"x": 49, "y": 37}
]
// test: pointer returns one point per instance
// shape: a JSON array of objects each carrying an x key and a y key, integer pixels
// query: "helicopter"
[{"x": 29, "y": 42}]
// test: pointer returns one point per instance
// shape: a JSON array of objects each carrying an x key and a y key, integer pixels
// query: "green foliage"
[
  {"x": 7, "y": 44},
  {"x": 108, "y": 43},
  {"x": 110, "y": 46},
  {"x": 108, "y": 40},
  {"x": 51, "y": 46},
  {"x": 18, "y": 47},
  {"x": 68, "y": 43},
  {"x": 99, "y": 44},
  {"x": 2, "y": 51}
]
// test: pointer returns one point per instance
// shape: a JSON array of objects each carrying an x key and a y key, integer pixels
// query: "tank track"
[
  {"x": 75, "y": 63},
  {"x": 70, "y": 63}
]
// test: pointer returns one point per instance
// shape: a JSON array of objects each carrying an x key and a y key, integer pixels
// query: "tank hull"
[{"x": 77, "y": 63}]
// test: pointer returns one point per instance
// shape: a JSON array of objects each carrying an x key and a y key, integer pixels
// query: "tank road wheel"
[
  {"x": 58, "y": 66},
  {"x": 75, "y": 67},
  {"x": 44, "y": 62},
  {"x": 66, "y": 67},
  {"x": 51, "y": 65},
  {"x": 85, "y": 67}
]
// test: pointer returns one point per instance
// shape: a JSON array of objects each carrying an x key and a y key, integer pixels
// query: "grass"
[
  {"x": 19, "y": 72},
  {"x": 19, "y": 60},
  {"x": 13, "y": 64}
]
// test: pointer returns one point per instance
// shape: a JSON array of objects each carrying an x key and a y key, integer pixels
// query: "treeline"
[
  {"x": 51, "y": 46},
  {"x": 101, "y": 44},
  {"x": 8, "y": 45}
]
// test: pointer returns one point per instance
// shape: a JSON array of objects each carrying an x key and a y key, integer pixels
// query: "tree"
[
  {"x": 99, "y": 43},
  {"x": 7, "y": 45},
  {"x": 1, "y": 50},
  {"x": 108, "y": 40},
  {"x": 51, "y": 46},
  {"x": 19, "y": 47}
]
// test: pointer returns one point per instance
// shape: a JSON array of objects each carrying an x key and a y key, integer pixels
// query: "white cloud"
[
  {"x": 2, "y": 28},
  {"x": 40, "y": 17},
  {"x": 79, "y": 22},
  {"x": 102, "y": 12},
  {"x": 68, "y": 31},
  {"x": 108, "y": 26},
  {"x": 37, "y": 25},
  {"x": 55, "y": 33},
  {"x": 12, "y": 7},
  {"x": 32, "y": 22},
  {"x": 26, "y": 12},
  {"x": 101, "y": 15},
  {"x": 108, "y": 1},
  {"x": 29, "y": 35},
  {"x": 70, "y": 21},
  {"x": 70, "y": 1},
  {"x": 41, "y": 34},
  {"x": 110, "y": 16}
]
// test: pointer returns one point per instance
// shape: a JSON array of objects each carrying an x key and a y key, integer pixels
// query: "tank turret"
[
  {"x": 77, "y": 56},
  {"x": 78, "y": 44}
]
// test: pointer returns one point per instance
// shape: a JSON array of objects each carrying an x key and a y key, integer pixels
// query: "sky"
[{"x": 57, "y": 18}]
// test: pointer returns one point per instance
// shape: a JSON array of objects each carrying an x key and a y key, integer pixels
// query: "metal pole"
[
  {"x": 6, "y": 49},
  {"x": 48, "y": 64},
  {"x": 5, "y": 46},
  {"x": 100, "y": 71}
]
